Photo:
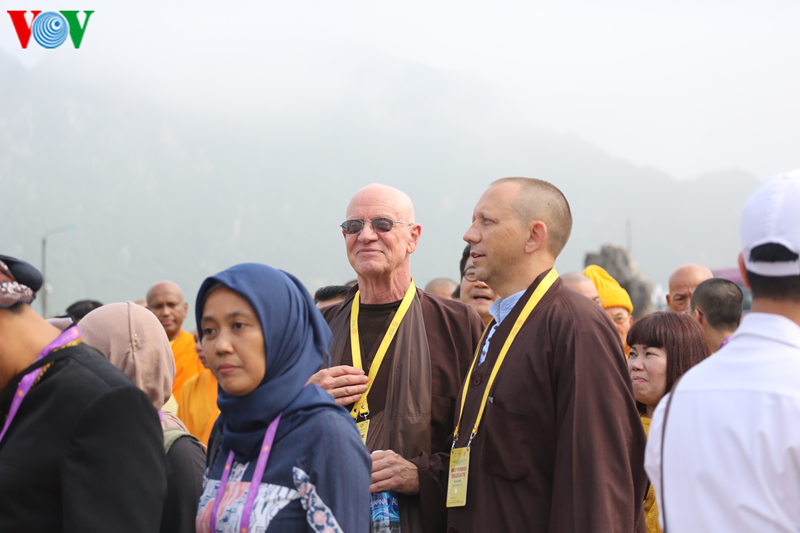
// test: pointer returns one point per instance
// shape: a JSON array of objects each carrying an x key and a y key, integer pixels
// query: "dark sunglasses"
[{"x": 380, "y": 225}]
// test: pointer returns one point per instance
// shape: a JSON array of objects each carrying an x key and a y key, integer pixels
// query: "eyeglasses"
[
  {"x": 620, "y": 318},
  {"x": 469, "y": 274},
  {"x": 691, "y": 312},
  {"x": 380, "y": 225}
]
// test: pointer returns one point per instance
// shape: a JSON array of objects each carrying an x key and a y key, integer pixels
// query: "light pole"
[{"x": 47, "y": 233}]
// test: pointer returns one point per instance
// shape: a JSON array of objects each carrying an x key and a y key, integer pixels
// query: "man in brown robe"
[
  {"x": 559, "y": 447},
  {"x": 412, "y": 401}
]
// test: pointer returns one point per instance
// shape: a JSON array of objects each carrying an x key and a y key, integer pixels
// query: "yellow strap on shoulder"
[
  {"x": 362, "y": 407},
  {"x": 534, "y": 299}
]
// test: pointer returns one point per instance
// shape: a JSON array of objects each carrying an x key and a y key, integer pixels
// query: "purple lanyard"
[
  {"x": 27, "y": 381},
  {"x": 255, "y": 482}
]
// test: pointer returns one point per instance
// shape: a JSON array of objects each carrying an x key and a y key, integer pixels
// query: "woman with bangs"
[{"x": 663, "y": 347}]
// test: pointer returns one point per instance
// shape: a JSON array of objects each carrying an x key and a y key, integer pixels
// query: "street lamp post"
[{"x": 47, "y": 233}]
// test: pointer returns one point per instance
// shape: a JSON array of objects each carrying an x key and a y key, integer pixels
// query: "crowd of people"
[{"x": 516, "y": 399}]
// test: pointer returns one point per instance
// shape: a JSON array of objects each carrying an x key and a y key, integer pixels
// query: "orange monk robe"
[
  {"x": 197, "y": 405},
  {"x": 187, "y": 364}
]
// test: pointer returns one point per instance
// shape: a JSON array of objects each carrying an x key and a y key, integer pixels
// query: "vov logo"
[{"x": 50, "y": 29}]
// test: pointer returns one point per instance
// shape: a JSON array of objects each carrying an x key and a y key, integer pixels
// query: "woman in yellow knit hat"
[{"x": 614, "y": 299}]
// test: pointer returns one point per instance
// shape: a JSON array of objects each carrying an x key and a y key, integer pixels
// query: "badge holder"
[
  {"x": 458, "y": 474},
  {"x": 363, "y": 427}
]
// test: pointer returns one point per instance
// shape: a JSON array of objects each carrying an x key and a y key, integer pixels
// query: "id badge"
[
  {"x": 363, "y": 428},
  {"x": 457, "y": 477}
]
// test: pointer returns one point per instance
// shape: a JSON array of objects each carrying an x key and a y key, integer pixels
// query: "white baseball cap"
[{"x": 772, "y": 215}]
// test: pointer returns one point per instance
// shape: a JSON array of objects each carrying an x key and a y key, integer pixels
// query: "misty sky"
[
  {"x": 268, "y": 111},
  {"x": 686, "y": 87}
]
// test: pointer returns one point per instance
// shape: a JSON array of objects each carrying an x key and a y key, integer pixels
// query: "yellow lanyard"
[
  {"x": 537, "y": 295},
  {"x": 362, "y": 407}
]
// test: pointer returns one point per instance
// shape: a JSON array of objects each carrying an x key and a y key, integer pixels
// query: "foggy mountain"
[{"x": 168, "y": 192}]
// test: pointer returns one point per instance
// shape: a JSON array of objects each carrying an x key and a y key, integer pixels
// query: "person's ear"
[
  {"x": 416, "y": 232},
  {"x": 537, "y": 237},
  {"x": 743, "y": 271}
]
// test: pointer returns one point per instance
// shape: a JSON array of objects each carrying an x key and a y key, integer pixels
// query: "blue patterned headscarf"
[{"x": 296, "y": 342}]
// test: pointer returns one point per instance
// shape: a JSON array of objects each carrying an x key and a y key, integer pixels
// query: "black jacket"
[
  {"x": 84, "y": 453},
  {"x": 186, "y": 464}
]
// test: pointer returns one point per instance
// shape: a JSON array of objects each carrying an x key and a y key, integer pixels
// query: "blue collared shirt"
[{"x": 499, "y": 310}]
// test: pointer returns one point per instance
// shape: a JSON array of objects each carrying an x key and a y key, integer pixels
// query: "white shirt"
[
  {"x": 732, "y": 447},
  {"x": 499, "y": 310}
]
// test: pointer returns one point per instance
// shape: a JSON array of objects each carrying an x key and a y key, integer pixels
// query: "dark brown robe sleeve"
[
  {"x": 464, "y": 332},
  {"x": 598, "y": 474},
  {"x": 433, "y": 490}
]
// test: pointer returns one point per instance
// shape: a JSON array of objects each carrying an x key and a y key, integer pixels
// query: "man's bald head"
[
  {"x": 441, "y": 287},
  {"x": 581, "y": 284},
  {"x": 682, "y": 283},
  {"x": 541, "y": 200},
  {"x": 161, "y": 286},
  {"x": 165, "y": 300},
  {"x": 376, "y": 194},
  {"x": 382, "y": 257}
]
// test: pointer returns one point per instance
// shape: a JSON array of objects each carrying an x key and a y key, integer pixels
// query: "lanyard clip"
[
  {"x": 471, "y": 436},
  {"x": 360, "y": 410}
]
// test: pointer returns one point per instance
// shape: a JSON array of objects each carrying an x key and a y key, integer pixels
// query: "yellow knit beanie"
[{"x": 610, "y": 291}]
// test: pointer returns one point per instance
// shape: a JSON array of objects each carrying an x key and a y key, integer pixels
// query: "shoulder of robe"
[
  {"x": 578, "y": 306},
  {"x": 452, "y": 311},
  {"x": 331, "y": 311}
]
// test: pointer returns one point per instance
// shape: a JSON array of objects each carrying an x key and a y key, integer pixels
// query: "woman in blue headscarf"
[{"x": 263, "y": 338}]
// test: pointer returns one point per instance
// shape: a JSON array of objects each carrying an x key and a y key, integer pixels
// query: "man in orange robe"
[
  {"x": 165, "y": 300},
  {"x": 197, "y": 403}
]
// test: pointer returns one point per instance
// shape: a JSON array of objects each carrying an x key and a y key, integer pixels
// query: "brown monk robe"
[
  {"x": 535, "y": 456},
  {"x": 412, "y": 402},
  {"x": 559, "y": 447}
]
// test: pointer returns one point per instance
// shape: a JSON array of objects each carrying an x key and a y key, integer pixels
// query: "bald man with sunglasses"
[{"x": 399, "y": 354}]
